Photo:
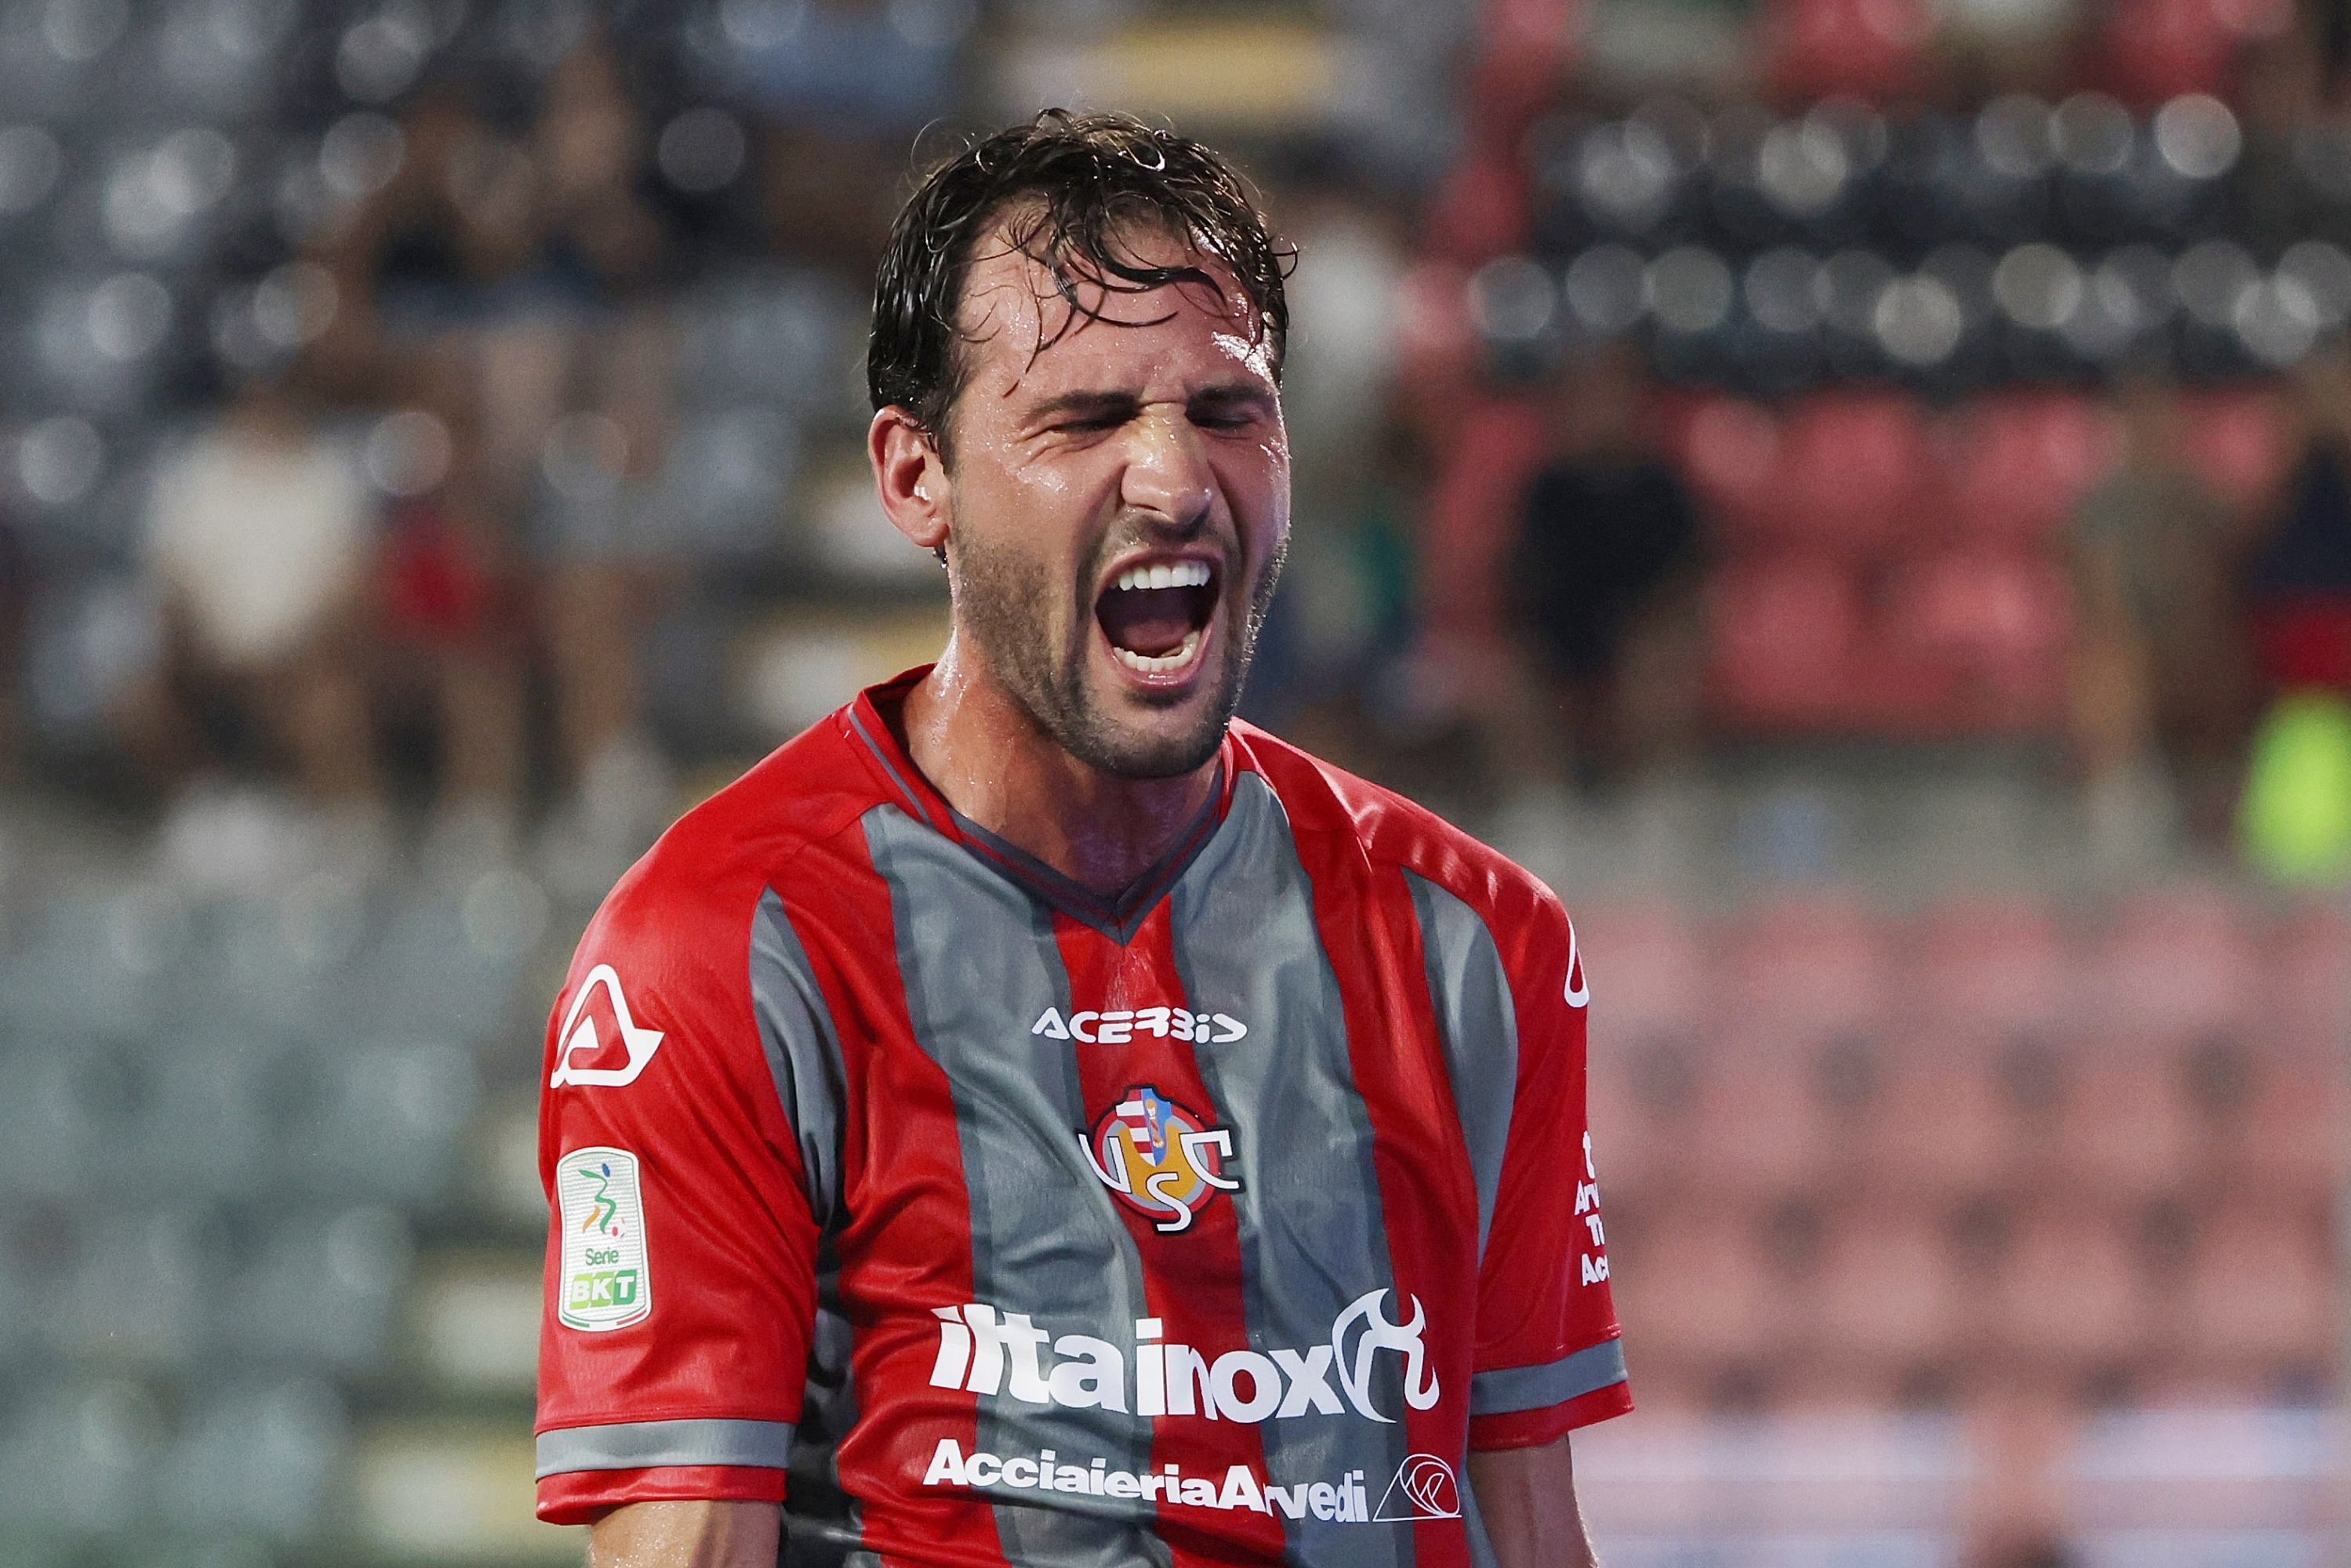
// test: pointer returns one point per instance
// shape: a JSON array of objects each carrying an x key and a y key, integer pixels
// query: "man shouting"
[{"x": 1127, "y": 1139}]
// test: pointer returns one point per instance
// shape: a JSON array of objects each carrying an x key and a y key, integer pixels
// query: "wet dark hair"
[{"x": 1067, "y": 186}]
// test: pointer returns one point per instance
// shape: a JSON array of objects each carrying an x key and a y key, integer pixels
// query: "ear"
[{"x": 911, "y": 480}]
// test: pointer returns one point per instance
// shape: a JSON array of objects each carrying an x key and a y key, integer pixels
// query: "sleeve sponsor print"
[{"x": 606, "y": 1279}]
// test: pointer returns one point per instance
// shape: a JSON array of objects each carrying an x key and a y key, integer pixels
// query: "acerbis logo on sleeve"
[
  {"x": 605, "y": 1282},
  {"x": 583, "y": 1044}
]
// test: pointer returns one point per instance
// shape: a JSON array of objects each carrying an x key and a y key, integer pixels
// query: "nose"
[{"x": 1168, "y": 477}]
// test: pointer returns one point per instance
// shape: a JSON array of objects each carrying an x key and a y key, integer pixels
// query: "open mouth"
[{"x": 1157, "y": 613}]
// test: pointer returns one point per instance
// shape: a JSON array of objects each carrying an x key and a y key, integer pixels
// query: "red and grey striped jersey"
[{"x": 1213, "y": 1223}]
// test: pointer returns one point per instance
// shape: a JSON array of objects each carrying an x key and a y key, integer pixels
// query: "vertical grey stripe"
[
  {"x": 980, "y": 964},
  {"x": 803, "y": 1051},
  {"x": 1310, "y": 1238},
  {"x": 1479, "y": 1022}
]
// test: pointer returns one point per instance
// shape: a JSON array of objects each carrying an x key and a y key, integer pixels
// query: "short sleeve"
[
  {"x": 681, "y": 1293},
  {"x": 1548, "y": 1355}
]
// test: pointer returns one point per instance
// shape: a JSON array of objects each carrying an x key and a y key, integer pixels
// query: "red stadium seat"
[
  {"x": 2291, "y": 1136},
  {"x": 1643, "y": 1091},
  {"x": 1998, "y": 967},
  {"x": 1858, "y": 472},
  {"x": 1864, "y": 48},
  {"x": 2306, "y": 985},
  {"x": 2126, "y": 1128},
  {"x": 1551, "y": 25},
  {"x": 2176, "y": 964},
  {"x": 1796, "y": 970},
  {"x": 2240, "y": 441},
  {"x": 2157, "y": 49},
  {"x": 2018, "y": 463},
  {"x": 1728, "y": 451},
  {"x": 1649, "y": 969},
  {"x": 1784, "y": 632},
  {"x": 2262, "y": 1292},
  {"x": 1472, "y": 519},
  {"x": 1698, "y": 1291},
  {"x": 1996, "y": 624},
  {"x": 2067, "y": 1295},
  {"x": 1888, "y": 1289},
  {"x": 1528, "y": 48},
  {"x": 1628, "y": 1147},
  {"x": 1759, "y": 1130},
  {"x": 1479, "y": 209},
  {"x": 1944, "y": 1125}
]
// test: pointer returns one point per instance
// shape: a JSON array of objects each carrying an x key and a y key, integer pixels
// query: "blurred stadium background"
[{"x": 1852, "y": 491}]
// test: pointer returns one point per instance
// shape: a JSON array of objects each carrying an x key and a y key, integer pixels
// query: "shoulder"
[
  {"x": 694, "y": 895},
  {"x": 1395, "y": 833}
]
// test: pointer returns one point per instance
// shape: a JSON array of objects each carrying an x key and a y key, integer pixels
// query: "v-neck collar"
[{"x": 1117, "y": 916}]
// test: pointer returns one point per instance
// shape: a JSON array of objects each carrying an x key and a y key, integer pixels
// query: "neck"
[{"x": 987, "y": 756}]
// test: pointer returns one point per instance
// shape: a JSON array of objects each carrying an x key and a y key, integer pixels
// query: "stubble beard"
[{"x": 1007, "y": 602}]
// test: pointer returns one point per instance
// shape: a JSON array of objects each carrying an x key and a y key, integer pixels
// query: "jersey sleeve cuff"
[
  {"x": 1526, "y": 1406},
  {"x": 582, "y": 1497},
  {"x": 585, "y": 1470},
  {"x": 1533, "y": 1428}
]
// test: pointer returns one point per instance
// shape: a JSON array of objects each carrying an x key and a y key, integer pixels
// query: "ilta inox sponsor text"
[{"x": 983, "y": 1350}]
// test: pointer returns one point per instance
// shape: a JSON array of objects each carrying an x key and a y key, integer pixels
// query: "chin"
[
  {"x": 1162, "y": 744},
  {"x": 1156, "y": 755}
]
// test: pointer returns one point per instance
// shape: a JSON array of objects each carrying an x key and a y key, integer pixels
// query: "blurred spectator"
[
  {"x": 1600, "y": 575},
  {"x": 450, "y": 639},
  {"x": 599, "y": 342},
  {"x": 2300, "y": 579},
  {"x": 829, "y": 197},
  {"x": 256, "y": 544},
  {"x": 510, "y": 280},
  {"x": 2160, "y": 670},
  {"x": 2296, "y": 816},
  {"x": 1343, "y": 593}
]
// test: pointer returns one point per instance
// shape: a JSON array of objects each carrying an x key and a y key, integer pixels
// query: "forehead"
[{"x": 1022, "y": 333}]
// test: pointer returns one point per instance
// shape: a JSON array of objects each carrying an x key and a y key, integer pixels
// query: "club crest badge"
[{"x": 1159, "y": 1159}]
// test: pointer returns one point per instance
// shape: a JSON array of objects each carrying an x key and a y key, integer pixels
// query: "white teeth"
[
  {"x": 1166, "y": 663},
  {"x": 1181, "y": 574}
]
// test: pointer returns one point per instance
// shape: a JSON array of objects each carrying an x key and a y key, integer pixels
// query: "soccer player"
[{"x": 1130, "y": 1139}]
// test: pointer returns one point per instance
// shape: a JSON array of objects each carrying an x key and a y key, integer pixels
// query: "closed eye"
[
  {"x": 1236, "y": 408},
  {"x": 1087, "y": 414}
]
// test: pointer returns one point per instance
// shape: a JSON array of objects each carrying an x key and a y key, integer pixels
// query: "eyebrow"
[
  {"x": 1234, "y": 392},
  {"x": 1084, "y": 403},
  {"x": 1100, "y": 402}
]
